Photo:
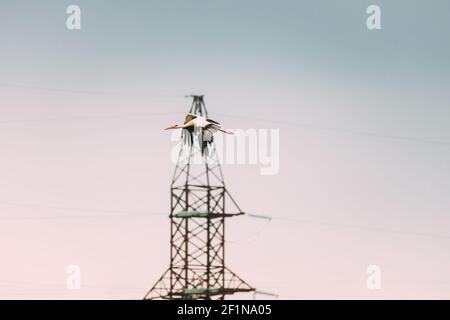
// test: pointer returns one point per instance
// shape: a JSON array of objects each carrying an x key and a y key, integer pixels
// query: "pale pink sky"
[{"x": 124, "y": 164}]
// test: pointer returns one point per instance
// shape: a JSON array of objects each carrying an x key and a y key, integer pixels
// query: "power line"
[
  {"x": 288, "y": 123},
  {"x": 75, "y": 118},
  {"x": 309, "y": 126},
  {"x": 284, "y": 122},
  {"x": 348, "y": 226},
  {"x": 368, "y": 228},
  {"x": 63, "y": 286},
  {"x": 341, "y": 130},
  {"x": 106, "y": 213},
  {"x": 248, "y": 239},
  {"x": 91, "y": 92},
  {"x": 128, "y": 215}
]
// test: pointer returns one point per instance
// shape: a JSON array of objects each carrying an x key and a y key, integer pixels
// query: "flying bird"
[{"x": 202, "y": 127}]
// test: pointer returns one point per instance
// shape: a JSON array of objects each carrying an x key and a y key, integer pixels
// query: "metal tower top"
[{"x": 198, "y": 106}]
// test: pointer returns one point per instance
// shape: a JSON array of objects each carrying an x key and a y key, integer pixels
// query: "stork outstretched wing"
[
  {"x": 189, "y": 117},
  {"x": 206, "y": 135},
  {"x": 211, "y": 120}
]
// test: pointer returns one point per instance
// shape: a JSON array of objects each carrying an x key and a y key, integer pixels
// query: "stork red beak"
[{"x": 171, "y": 127}]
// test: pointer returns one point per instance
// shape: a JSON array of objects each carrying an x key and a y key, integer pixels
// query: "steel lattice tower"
[{"x": 197, "y": 226}]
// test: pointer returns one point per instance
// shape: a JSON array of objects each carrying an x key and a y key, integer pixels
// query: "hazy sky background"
[{"x": 308, "y": 62}]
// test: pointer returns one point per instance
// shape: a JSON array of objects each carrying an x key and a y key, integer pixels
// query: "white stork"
[{"x": 204, "y": 129}]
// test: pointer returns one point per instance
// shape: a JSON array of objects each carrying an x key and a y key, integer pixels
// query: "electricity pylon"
[{"x": 199, "y": 207}]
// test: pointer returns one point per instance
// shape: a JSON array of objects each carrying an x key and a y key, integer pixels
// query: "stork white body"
[{"x": 200, "y": 126}]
